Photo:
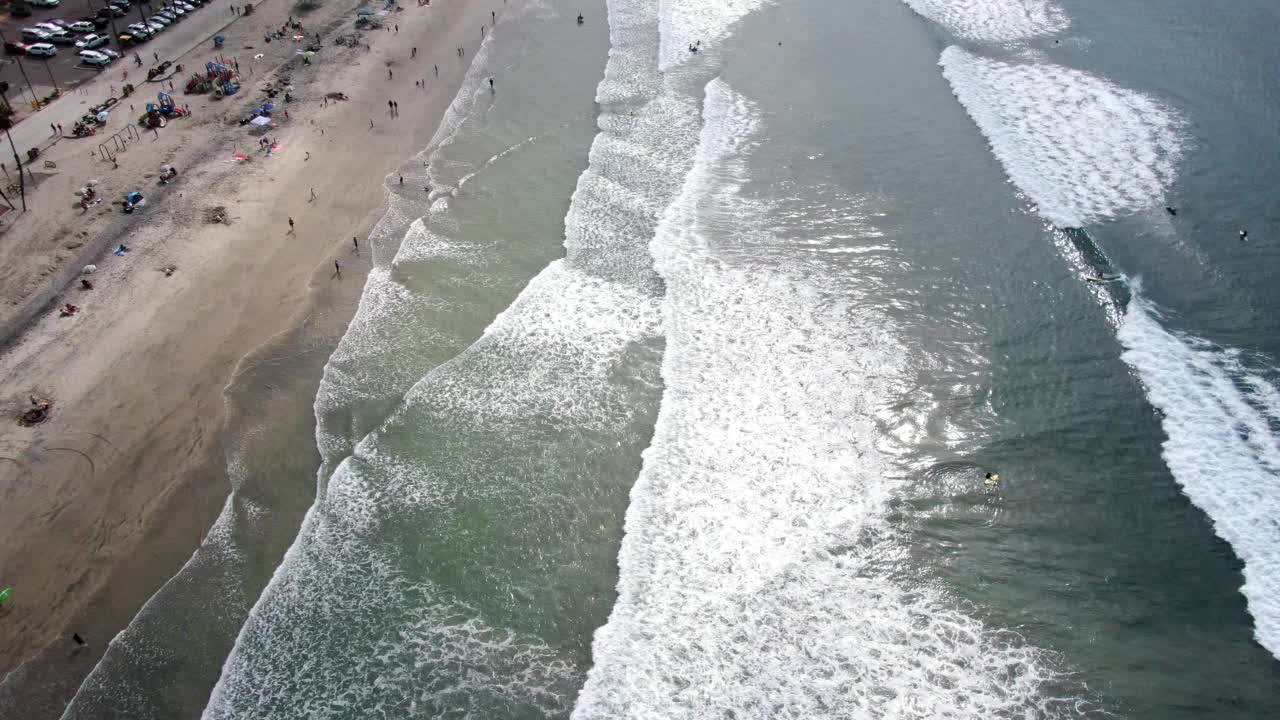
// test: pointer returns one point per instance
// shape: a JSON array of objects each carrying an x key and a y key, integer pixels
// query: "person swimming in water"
[
  {"x": 1244, "y": 236},
  {"x": 991, "y": 479},
  {"x": 579, "y": 18},
  {"x": 1098, "y": 277},
  {"x": 1171, "y": 210}
]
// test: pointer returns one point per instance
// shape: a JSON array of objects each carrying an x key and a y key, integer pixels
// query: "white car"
[
  {"x": 174, "y": 9},
  {"x": 108, "y": 52},
  {"x": 82, "y": 27},
  {"x": 47, "y": 27},
  {"x": 157, "y": 18},
  {"x": 43, "y": 3},
  {"x": 90, "y": 57},
  {"x": 89, "y": 42},
  {"x": 154, "y": 26},
  {"x": 41, "y": 50},
  {"x": 35, "y": 34}
]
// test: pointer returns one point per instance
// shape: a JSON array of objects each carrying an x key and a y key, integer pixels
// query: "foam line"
[{"x": 1222, "y": 447}]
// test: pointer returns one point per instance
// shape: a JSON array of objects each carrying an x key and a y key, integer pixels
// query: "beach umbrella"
[{"x": 260, "y": 121}]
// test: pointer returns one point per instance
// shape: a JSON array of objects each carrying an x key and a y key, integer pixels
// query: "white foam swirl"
[
  {"x": 994, "y": 21},
  {"x": 1080, "y": 147}
]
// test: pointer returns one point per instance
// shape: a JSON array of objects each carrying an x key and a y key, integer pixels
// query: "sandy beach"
[{"x": 101, "y": 503}]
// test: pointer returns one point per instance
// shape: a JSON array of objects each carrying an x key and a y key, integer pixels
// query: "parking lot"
[{"x": 65, "y": 68}]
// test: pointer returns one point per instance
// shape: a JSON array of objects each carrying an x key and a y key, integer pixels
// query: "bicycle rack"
[{"x": 120, "y": 143}]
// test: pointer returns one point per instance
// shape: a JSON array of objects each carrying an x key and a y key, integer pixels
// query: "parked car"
[
  {"x": 43, "y": 3},
  {"x": 122, "y": 4},
  {"x": 82, "y": 26},
  {"x": 158, "y": 18},
  {"x": 41, "y": 50},
  {"x": 47, "y": 27},
  {"x": 110, "y": 11},
  {"x": 108, "y": 52},
  {"x": 98, "y": 23},
  {"x": 58, "y": 22},
  {"x": 89, "y": 42},
  {"x": 172, "y": 18},
  {"x": 140, "y": 31},
  {"x": 15, "y": 48},
  {"x": 34, "y": 34},
  {"x": 62, "y": 37},
  {"x": 19, "y": 10},
  {"x": 171, "y": 8},
  {"x": 89, "y": 57},
  {"x": 155, "y": 26}
]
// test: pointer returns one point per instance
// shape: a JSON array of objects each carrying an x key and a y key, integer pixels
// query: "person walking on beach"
[
  {"x": 79, "y": 641},
  {"x": 53, "y": 129},
  {"x": 494, "y": 15},
  {"x": 156, "y": 55},
  {"x": 490, "y": 83},
  {"x": 290, "y": 224},
  {"x": 59, "y": 128},
  {"x": 337, "y": 269},
  {"x": 389, "y": 75},
  {"x": 313, "y": 194},
  {"x": 413, "y": 53},
  {"x": 355, "y": 243},
  {"x": 370, "y": 123},
  {"x": 437, "y": 69}
]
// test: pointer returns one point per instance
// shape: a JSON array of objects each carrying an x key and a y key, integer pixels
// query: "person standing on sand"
[
  {"x": 53, "y": 129},
  {"x": 290, "y": 224},
  {"x": 389, "y": 75},
  {"x": 79, "y": 641},
  {"x": 494, "y": 15},
  {"x": 370, "y": 123},
  {"x": 337, "y": 269},
  {"x": 355, "y": 243},
  {"x": 413, "y": 53},
  {"x": 156, "y": 55},
  {"x": 313, "y": 194},
  {"x": 437, "y": 69}
]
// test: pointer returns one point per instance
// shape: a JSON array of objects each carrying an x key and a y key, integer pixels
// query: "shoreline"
[{"x": 264, "y": 289}]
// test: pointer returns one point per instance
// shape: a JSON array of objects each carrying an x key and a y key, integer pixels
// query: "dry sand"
[{"x": 102, "y": 503}]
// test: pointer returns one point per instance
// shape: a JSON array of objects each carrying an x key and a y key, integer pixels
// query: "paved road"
[{"x": 177, "y": 40}]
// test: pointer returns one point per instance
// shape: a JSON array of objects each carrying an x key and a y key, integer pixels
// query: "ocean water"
[{"x": 676, "y": 397}]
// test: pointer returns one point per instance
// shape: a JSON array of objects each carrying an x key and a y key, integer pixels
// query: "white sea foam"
[
  {"x": 1082, "y": 148},
  {"x": 756, "y": 574},
  {"x": 994, "y": 21},
  {"x": 685, "y": 23},
  {"x": 1222, "y": 447}
]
